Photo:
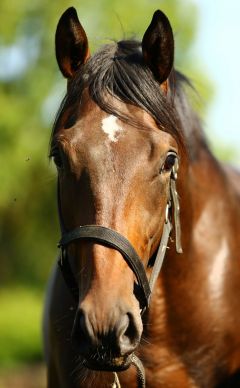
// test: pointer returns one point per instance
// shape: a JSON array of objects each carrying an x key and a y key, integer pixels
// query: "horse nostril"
[
  {"x": 128, "y": 334},
  {"x": 120, "y": 339}
]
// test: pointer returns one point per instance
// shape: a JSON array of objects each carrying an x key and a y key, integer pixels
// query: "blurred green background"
[{"x": 31, "y": 89}]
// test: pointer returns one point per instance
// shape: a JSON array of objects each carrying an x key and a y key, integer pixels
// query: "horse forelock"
[{"x": 118, "y": 70}]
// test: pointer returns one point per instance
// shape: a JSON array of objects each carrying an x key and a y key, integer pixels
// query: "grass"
[{"x": 20, "y": 326}]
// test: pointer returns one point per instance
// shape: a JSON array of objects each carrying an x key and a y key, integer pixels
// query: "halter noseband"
[{"x": 111, "y": 238}]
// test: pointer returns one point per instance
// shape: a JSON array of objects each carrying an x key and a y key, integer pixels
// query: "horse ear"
[
  {"x": 71, "y": 43},
  {"x": 158, "y": 46}
]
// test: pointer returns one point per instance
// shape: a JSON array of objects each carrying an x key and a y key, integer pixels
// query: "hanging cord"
[
  {"x": 140, "y": 374},
  {"x": 140, "y": 371},
  {"x": 116, "y": 383}
]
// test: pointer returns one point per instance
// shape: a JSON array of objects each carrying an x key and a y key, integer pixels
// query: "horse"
[{"x": 137, "y": 183}]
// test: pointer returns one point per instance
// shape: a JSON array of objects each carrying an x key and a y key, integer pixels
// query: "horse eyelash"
[{"x": 53, "y": 151}]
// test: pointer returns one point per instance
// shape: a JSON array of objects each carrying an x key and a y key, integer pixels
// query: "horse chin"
[{"x": 116, "y": 364}]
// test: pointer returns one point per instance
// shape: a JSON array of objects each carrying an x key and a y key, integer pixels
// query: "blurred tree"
[{"x": 30, "y": 91}]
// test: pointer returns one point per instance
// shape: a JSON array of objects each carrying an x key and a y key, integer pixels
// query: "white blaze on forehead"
[{"x": 111, "y": 128}]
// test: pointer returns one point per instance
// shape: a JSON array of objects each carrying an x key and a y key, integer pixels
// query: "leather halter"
[{"x": 111, "y": 238}]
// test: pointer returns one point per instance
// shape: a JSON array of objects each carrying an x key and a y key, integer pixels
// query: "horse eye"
[
  {"x": 169, "y": 162},
  {"x": 57, "y": 159}
]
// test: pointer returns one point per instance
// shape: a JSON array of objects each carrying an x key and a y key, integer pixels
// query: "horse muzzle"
[{"x": 106, "y": 343}]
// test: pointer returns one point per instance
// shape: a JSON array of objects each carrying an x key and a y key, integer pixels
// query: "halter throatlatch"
[{"x": 111, "y": 238}]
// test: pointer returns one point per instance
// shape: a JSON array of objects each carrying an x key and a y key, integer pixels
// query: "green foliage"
[
  {"x": 20, "y": 326},
  {"x": 224, "y": 151}
]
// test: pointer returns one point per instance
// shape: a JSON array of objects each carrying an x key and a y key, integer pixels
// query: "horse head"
[{"x": 115, "y": 142}]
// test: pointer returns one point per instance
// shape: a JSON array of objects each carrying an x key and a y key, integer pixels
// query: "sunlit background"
[
  {"x": 31, "y": 88},
  {"x": 216, "y": 49}
]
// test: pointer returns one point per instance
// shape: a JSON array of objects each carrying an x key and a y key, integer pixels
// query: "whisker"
[
  {"x": 60, "y": 322},
  {"x": 146, "y": 341}
]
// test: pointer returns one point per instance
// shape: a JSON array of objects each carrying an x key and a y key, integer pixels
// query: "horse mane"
[{"x": 118, "y": 69}]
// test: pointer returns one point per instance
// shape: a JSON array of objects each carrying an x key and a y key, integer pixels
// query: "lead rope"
[
  {"x": 116, "y": 383},
  {"x": 140, "y": 374},
  {"x": 140, "y": 371}
]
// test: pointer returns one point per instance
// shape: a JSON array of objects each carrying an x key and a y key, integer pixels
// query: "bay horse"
[{"x": 135, "y": 177}]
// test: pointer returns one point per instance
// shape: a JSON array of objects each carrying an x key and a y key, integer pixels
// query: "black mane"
[{"x": 118, "y": 69}]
